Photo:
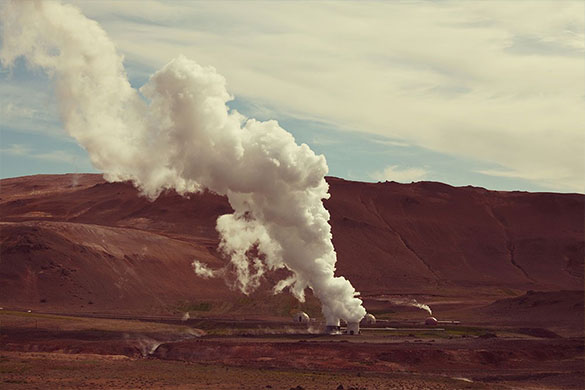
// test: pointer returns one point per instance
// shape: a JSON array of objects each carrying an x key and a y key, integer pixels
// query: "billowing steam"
[{"x": 176, "y": 132}]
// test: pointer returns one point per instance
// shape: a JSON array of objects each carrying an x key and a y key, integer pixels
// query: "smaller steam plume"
[
  {"x": 411, "y": 302},
  {"x": 203, "y": 271}
]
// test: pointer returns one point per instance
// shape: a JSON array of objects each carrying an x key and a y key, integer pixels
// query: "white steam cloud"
[
  {"x": 423, "y": 307},
  {"x": 177, "y": 132},
  {"x": 203, "y": 271}
]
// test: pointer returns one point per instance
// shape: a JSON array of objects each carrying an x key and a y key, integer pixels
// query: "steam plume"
[
  {"x": 411, "y": 302},
  {"x": 203, "y": 271},
  {"x": 423, "y": 307},
  {"x": 181, "y": 135}
]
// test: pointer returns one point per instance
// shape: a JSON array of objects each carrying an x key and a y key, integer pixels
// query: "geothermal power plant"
[
  {"x": 367, "y": 323},
  {"x": 213, "y": 250}
]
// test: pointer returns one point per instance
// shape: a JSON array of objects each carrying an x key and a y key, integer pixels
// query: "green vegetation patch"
[
  {"x": 466, "y": 331},
  {"x": 195, "y": 306},
  {"x": 37, "y": 315}
]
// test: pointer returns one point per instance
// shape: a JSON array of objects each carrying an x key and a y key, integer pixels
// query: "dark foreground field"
[
  {"x": 113, "y": 372},
  {"x": 40, "y": 351}
]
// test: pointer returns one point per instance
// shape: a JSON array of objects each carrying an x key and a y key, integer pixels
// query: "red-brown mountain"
[{"x": 76, "y": 242}]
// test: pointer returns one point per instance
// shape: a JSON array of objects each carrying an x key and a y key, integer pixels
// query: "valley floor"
[{"x": 41, "y": 351}]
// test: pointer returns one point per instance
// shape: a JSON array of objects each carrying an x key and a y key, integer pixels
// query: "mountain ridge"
[{"x": 419, "y": 238}]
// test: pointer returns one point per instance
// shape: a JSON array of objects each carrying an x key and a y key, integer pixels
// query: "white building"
[{"x": 301, "y": 318}]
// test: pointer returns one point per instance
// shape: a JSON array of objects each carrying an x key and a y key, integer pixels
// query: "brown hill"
[
  {"x": 538, "y": 307},
  {"x": 427, "y": 236},
  {"x": 76, "y": 242}
]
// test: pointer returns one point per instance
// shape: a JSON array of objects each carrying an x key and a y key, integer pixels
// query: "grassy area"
[
  {"x": 194, "y": 306},
  {"x": 34, "y": 315},
  {"x": 466, "y": 331},
  {"x": 260, "y": 304},
  {"x": 70, "y": 323},
  {"x": 436, "y": 333}
]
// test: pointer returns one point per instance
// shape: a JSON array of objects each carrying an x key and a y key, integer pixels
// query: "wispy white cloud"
[
  {"x": 402, "y": 175},
  {"x": 58, "y": 156},
  {"x": 11, "y": 110},
  {"x": 21, "y": 150},
  {"x": 552, "y": 177},
  {"x": 28, "y": 107},
  {"x": 16, "y": 150},
  {"x": 391, "y": 143},
  {"x": 325, "y": 139}
]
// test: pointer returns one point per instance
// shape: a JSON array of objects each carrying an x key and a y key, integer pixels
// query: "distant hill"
[
  {"x": 76, "y": 242},
  {"x": 429, "y": 235}
]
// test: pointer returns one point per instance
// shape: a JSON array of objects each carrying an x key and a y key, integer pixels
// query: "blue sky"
[{"x": 457, "y": 92}]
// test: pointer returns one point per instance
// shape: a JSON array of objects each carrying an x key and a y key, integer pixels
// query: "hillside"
[
  {"x": 428, "y": 235},
  {"x": 76, "y": 242}
]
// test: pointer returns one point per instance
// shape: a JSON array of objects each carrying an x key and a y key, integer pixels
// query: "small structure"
[
  {"x": 333, "y": 328},
  {"x": 353, "y": 328},
  {"x": 431, "y": 321},
  {"x": 369, "y": 319},
  {"x": 301, "y": 318}
]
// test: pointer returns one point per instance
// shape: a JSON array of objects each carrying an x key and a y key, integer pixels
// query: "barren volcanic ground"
[{"x": 106, "y": 275}]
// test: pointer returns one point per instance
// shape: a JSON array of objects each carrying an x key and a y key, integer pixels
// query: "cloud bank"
[{"x": 500, "y": 83}]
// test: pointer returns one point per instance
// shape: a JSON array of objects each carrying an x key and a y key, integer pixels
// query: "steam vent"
[
  {"x": 353, "y": 328},
  {"x": 333, "y": 328}
]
